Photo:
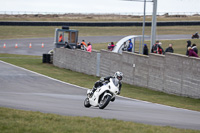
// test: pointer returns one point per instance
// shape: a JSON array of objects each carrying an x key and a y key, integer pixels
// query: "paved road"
[
  {"x": 22, "y": 89},
  {"x": 23, "y": 44}
]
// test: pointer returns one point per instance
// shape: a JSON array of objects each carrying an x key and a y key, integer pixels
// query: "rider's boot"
[
  {"x": 92, "y": 92},
  {"x": 113, "y": 99}
]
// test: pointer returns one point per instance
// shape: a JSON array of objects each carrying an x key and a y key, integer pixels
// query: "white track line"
[{"x": 62, "y": 81}]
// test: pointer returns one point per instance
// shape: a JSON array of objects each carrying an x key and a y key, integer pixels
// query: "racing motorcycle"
[
  {"x": 103, "y": 95},
  {"x": 196, "y": 35}
]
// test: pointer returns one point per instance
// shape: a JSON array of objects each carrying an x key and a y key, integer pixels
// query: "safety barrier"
[
  {"x": 103, "y": 24},
  {"x": 170, "y": 73}
]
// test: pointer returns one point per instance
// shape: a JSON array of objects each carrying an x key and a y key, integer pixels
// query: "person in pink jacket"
[{"x": 89, "y": 48}]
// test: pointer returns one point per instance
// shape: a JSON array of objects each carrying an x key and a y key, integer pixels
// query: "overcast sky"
[{"x": 98, "y": 6}]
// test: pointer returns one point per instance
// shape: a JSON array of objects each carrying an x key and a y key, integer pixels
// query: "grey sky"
[{"x": 97, "y": 6}]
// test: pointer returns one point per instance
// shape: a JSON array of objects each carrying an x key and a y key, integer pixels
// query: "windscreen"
[{"x": 115, "y": 81}]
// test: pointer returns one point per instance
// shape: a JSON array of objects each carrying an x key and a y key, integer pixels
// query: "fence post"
[{"x": 98, "y": 64}]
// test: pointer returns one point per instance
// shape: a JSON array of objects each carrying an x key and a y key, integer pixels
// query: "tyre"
[
  {"x": 104, "y": 102},
  {"x": 87, "y": 103}
]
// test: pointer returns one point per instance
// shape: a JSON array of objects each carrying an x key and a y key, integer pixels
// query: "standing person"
[
  {"x": 194, "y": 47},
  {"x": 156, "y": 48},
  {"x": 191, "y": 52},
  {"x": 145, "y": 50},
  {"x": 111, "y": 46},
  {"x": 130, "y": 46},
  {"x": 60, "y": 38},
  {"x": 83, "y": 43},
  {"x": 188, "y": 45},
  {"x": 78, "y": 45},
  {"x": 89, "y": 48},
  {"x": 169, "y": 49},
  {"x": 67, "y": 45},
  {"x": 160, "y": 49}
]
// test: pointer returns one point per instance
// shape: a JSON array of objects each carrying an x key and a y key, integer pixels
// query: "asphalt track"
[
  {"x": 26, "y": 90},
  {"x": 23, "y": 44}
]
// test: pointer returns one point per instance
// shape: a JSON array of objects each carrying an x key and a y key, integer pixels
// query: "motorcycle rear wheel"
[
  {"x": 87, "y": 103},
  {"x": 104, "y": 102}
]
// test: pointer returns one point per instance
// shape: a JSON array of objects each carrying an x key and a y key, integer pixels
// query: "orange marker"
[
  {"x": 4, "y": 45},
  {"x": 42, "y": 45},
  {"x": 30, "y": 45}
]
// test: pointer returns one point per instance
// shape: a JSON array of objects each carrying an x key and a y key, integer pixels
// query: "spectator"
[
  {"x": 191, "y": 52},
  {"x": 89, "y": 48},
  {"x": 156, "y": 48},
  {"x": 145, "y": 50},
  {"x": 67, "y": 45},
  {"x": 60, "y": 38},
  {"x": 160, "y": 49},
  {"x": 78, "y": 45},
  {"x": 83, "y": 43},
  {"x": 130, "y": 46},
  {"x": 169, "y": 49},
  {"x": 188, "y": 45},
  {"x": 111, "y": 46},
  {"x": 194, "y": 47},
  {"x": 124, "y": 47}
]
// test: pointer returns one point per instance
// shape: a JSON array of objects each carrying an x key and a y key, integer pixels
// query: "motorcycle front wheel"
[
  {"x": 104, "y": 102},
  {"x": 87, "y": 103}
]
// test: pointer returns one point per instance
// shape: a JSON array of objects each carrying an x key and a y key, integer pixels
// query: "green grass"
[
  {"x": 12, "y": 32},
  {"x": 17, "y": 121},
  {"x": 87, "y": 81}
]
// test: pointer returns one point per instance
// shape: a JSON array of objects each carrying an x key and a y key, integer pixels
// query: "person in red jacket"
[
  {"x": 157, "y": 49},
  {"x": 60, "y": 38}
]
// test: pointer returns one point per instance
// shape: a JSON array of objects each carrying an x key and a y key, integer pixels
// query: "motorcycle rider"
[
  {"x": 117, "y": 79},
  {"x": 196, "y": 34}
]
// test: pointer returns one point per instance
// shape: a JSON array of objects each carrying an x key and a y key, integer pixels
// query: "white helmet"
[{"x": 118, "y": 75}]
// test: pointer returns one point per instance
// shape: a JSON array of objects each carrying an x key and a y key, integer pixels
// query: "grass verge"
[
  {"x": 12, "y": 32},
  {"x": 17, "y": 121},
  {"x": 94, "y": 17}
]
